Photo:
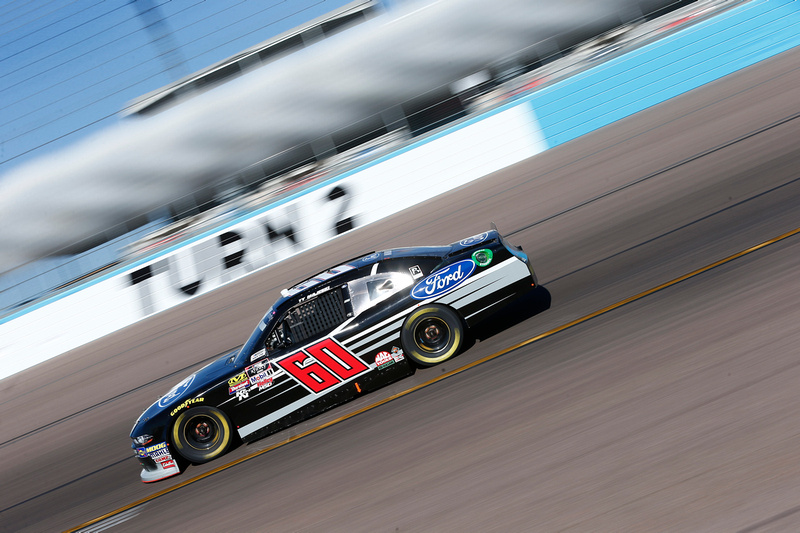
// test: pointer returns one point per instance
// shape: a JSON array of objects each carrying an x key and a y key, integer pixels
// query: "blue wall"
[{"x": 685, "y": 60}]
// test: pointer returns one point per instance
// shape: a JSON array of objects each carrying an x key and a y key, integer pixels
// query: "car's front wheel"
[
  {"x": 432, "y": 334},
  {"x": 202, "y": 434}
]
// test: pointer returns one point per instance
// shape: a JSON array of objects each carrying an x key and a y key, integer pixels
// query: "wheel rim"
[
  {"x": 432, "y": 334},
  {"x": 201, "y": 432}
]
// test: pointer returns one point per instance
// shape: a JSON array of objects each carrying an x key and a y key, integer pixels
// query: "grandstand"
[
  {"x": 392, "y": 75},
  {"x": 266, "y": 52}
]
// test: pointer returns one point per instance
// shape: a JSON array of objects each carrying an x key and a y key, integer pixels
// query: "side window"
[
  {"x": 368, "y": 291},
  {"x": 308, "y": 319},
  {"x": 280, "y": 337}
]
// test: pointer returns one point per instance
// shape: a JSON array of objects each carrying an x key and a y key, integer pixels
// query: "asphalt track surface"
[{"x": 676, "y": 412}]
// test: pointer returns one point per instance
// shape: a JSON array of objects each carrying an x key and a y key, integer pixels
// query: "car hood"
[{"x": 187, "y": 388}]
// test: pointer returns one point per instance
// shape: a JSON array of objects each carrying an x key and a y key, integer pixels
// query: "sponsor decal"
[
  {"x": 239, "y": 386},
  {"x": 141, "y": 452},
  {"x": 235, "y": 380},
  {"x": 260, "y": 374},
  {"x": 175, "y": 391},
  {"x": 242, "y": 394},
  {"x": 383, "y": 359},
  {"x": 416, "y": 272},
  {"x": 154, "y": 448},
  {"x": 475, "y": 239},
  {"x": 371, "y": 257},
  {"x": 397, "y": 354},
  {"x": 322, "y": 365},
  {"x": 259, "y": 354},
  {"x": 162, "y": 456},
  {"x": 261, "y": 366},
  {"x": 186, "y": 403},
  {"x": 262, "y": 380},
  {"x": 443, "y": 280},
  {"x": 483, "y": 257}
]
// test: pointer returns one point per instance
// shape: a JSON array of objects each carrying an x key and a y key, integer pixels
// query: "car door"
[{"x": 303, "y": 369}]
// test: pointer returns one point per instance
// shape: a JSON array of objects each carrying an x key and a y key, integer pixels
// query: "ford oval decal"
[
  {"x": 475, "y": 239},
  {"x": 176, "y": 391},
  {"x": 443, "y": 280}
]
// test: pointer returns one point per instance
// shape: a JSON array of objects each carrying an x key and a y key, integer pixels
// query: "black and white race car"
[{"x": 342, "y": 333}]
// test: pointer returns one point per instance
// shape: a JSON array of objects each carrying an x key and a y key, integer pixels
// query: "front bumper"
[
  {"x": 149, "y": 476},
  {"x": 157, "y": 463}
]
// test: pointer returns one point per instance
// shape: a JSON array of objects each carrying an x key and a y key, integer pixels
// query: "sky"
[{"x": 68, "y": 67}]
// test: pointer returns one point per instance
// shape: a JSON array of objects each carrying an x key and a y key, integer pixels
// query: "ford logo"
[
  {"x": 475, "y": 239},
  {"x": 176, "y": 391},
  {"x": 443, "y": 280}
]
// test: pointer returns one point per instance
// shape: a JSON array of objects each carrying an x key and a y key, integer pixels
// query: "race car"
[{"x": 345, "y": 332}]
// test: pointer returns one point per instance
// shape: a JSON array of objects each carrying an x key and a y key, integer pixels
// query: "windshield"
[{"x": 255, "y": 342}]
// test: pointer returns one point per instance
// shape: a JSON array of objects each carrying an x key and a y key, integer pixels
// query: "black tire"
[
  {"x": 431, "y": 335},
  {"x": 202, "y": 434}
]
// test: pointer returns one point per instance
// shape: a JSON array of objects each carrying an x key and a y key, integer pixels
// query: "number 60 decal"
[{"x": 322, "y": 365}]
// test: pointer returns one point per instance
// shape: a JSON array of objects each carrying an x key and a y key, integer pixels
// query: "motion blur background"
[{"x": 121, "y": 119}]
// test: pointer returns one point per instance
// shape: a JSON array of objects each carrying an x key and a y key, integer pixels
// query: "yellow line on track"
[{"x": 439, "y": 378}]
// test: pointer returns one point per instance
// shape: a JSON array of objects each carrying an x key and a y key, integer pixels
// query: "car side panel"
[
  {"x": 305, "y": 382},
  {"x": 275, "y": 392}
]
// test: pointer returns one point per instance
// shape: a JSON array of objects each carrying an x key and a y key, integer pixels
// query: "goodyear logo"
[
  {"x": 235, "y": 380},
  {"x": 187, "y": 403}
]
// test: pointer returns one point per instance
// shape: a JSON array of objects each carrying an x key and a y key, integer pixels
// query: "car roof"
[{"x": 367, "y": 260}]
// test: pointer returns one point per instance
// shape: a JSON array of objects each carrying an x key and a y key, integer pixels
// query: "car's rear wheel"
[
  {"x": 431, "y": 335},
  {"x": 201, "y": 434}
]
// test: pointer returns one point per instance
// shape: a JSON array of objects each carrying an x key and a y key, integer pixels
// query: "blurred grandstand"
[{"x": 546, "y": 58}]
